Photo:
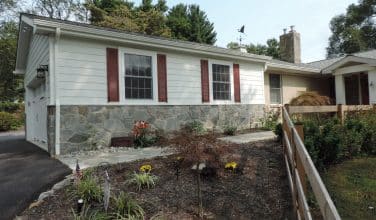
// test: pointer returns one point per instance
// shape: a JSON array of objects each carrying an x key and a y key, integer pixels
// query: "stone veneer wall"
[
  {"x": 92, "y": 127},
  {"x": 51, "y": 116}
]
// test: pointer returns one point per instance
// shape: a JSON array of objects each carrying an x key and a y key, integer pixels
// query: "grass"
[{"x": 352, "y": 185}]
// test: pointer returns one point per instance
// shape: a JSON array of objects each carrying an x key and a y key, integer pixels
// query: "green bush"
[
  {"x": 10, "y": 107},
  {"x": 229, "y": 130},
  {"x": 195, "y": 127},
  {"x": 278, "y": 130},
  {"x": 330, "y": 142},
  {"x": 8, "y": 121}
]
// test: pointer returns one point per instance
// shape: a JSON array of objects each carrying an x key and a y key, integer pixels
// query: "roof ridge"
[
  {"x": 33, "y": 16},
  {"x": 325, "y": 59}
]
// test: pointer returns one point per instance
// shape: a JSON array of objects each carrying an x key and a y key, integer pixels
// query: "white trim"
[
  {"x": 280, "y": 89},
  {"x": 57, "y": 101},
  {"x": 153, "y": 55},
  {"x": 354, "y": 69},
  {"x": 51, "y": 70},
  {"x": 349, "y": 58},
  {"x": 232, "y": 98}
]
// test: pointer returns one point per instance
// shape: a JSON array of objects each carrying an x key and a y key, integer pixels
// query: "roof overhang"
[
  {"x": 293, "y": 69},
  {"x": 26, "y": 29},
  {"x": 365, "y": 62},
  {"x": 74, "y": 29}
]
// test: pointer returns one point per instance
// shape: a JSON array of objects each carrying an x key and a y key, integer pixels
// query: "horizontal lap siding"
[
  {"x": 82, "y": 78},
  {"x": 252, "y": 83},
  {"x": 81, "y": 72},
  {"x": 184, "y": 80},
  {"x": 38, "y": 55}
]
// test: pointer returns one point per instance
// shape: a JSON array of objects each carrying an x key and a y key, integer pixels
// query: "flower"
[
  {"x": 231, "y": 165},
  {"x": 139, "y": 128},
  {"x": 145, "y": 168}
]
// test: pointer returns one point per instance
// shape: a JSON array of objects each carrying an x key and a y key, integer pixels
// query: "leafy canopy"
[
  {"x": 270, "y": 49},
  {"x": 353, "y": 31}
]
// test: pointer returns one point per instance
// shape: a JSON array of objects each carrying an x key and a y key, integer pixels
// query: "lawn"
[{"x": 352, "y": 185}]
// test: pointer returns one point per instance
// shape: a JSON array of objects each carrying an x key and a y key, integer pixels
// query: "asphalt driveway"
[{"x": 25, "y": 172}]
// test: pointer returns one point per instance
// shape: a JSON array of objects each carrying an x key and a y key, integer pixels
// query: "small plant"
[
  {"x": 141, "y": 134},
  {"x": 230, "y": 130},
  {"x": 195, "y": 127},
  {"x": 126, "y": 207},
  {"x": 231, "y": 166},
  {"x": 87, "y": 214},
  {"x": 88, "y": 189},
  {"x": 143, "y": 179}
]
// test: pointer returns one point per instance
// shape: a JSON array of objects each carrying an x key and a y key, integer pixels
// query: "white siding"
[
  {"x": 81, "y": 76},
  {"x": 36, "y": 97}
]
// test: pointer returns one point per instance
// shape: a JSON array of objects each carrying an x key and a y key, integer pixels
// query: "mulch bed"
[{"x": 260, "y": 192}]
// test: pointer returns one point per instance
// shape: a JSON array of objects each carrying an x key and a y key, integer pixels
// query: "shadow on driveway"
[{"x": 25, "y": 172}]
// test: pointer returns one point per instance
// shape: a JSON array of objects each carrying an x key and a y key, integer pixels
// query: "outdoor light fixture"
[{"x": 41, "y": 71}]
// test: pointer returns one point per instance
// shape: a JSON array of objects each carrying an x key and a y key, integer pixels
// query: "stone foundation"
[{"x": 92, "y": 127}]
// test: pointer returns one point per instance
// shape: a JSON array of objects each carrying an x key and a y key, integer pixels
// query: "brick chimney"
[{"x": 289, "y": 46}]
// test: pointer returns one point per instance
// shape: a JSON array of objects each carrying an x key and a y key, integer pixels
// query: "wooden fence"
[{"x": 300, "y": 168}]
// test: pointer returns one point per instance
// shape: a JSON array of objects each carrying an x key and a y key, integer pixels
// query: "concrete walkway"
[
  {"x": 111, "y": 156},
  {"x": 250, "y": 137}
]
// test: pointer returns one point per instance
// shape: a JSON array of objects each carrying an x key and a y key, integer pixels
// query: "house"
[{"x": 85, "y": 84}]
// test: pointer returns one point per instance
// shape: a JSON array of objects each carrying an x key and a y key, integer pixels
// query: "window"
[
  {"x": 221, "y": 82},
  {"x": 275, "y": 88},
  {"x": 138, "y": 77}
]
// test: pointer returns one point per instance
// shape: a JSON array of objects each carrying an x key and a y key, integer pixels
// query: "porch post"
[
  {"x": 372, "y": 86},
  {"x": 340, "y": 89}
]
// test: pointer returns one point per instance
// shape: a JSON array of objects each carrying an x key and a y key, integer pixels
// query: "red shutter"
[
  {"x": 236, "y": 82},
  {"x": 112, "y": 75},
  {"x": 162, "y": 77},
  {"x": 205, "y": 81}
]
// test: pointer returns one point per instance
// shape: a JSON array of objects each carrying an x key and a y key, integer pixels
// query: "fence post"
[
  {"x": 299, "y": 165},
  {"x": 341, "y": 113}
]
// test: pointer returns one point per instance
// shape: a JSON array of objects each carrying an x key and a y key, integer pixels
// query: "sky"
[{"x": 264, "y": 19}]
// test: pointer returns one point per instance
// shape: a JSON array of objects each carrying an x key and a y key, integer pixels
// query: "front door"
[
  {"x": 364, "y": 88},
  {"x": 352, "y": 90}
]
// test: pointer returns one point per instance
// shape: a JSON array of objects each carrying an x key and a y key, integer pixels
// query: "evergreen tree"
[
  {"x": 354, "y": 31},
  {"x": 270, "y": 49},
  {"x": 189, "y": 22}
]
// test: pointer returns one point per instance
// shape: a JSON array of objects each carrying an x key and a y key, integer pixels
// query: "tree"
[
  {"x": 60, "y": 9},
  {"x": 146, "y": 19},
  {"x": 270, "y": 49},
  {"x": 10, "y": 85},
  {"x": 353, "y": 31},
  {"x": 189, "y": 22}
]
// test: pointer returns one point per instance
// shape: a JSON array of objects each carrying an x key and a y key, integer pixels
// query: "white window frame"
[
  {"x": 280, "y": 90},
  {"x": 232, "y": 98},
  {"x": 153, "y": 55}
]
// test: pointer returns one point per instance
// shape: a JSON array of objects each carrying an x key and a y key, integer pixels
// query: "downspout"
[{"x": 57, "y": 99}]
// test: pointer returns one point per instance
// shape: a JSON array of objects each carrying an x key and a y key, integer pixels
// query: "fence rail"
[{"x": 299, "y": 165}]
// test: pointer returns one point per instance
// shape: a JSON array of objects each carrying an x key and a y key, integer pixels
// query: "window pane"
[
  {"x": 275, "y": 96},
  {"x": 221, "y": 82},
  {"x": 275, "y": 81},
  {"x": 138, "y": 80}
]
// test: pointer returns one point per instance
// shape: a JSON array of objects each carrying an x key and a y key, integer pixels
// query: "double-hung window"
[
  {"x": 138, "y": 76},
  {"x": 221, "y": 82},
  {"x": 275, "y": 88}
]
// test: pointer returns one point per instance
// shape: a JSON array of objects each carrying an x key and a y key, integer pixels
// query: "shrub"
[
  {"x": 126, "y": 207},
  {"x": 278, "y": 130},
  {"x": 195, "y": 127},
  {"x": 270, "y": 120},
  {"x": 10, "y": 107},
  {"x": 143, "y": 179},
  {"x": 229, "y": 130},
  {"x": 311, "y": 99},
  {"x": 88, "y": 189},
  {"x": 8, "y": 121},
  {"x": 88, "y": 214}
]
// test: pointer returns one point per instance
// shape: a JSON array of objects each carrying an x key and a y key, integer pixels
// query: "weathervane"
[{"x": 241, "y": 31}]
